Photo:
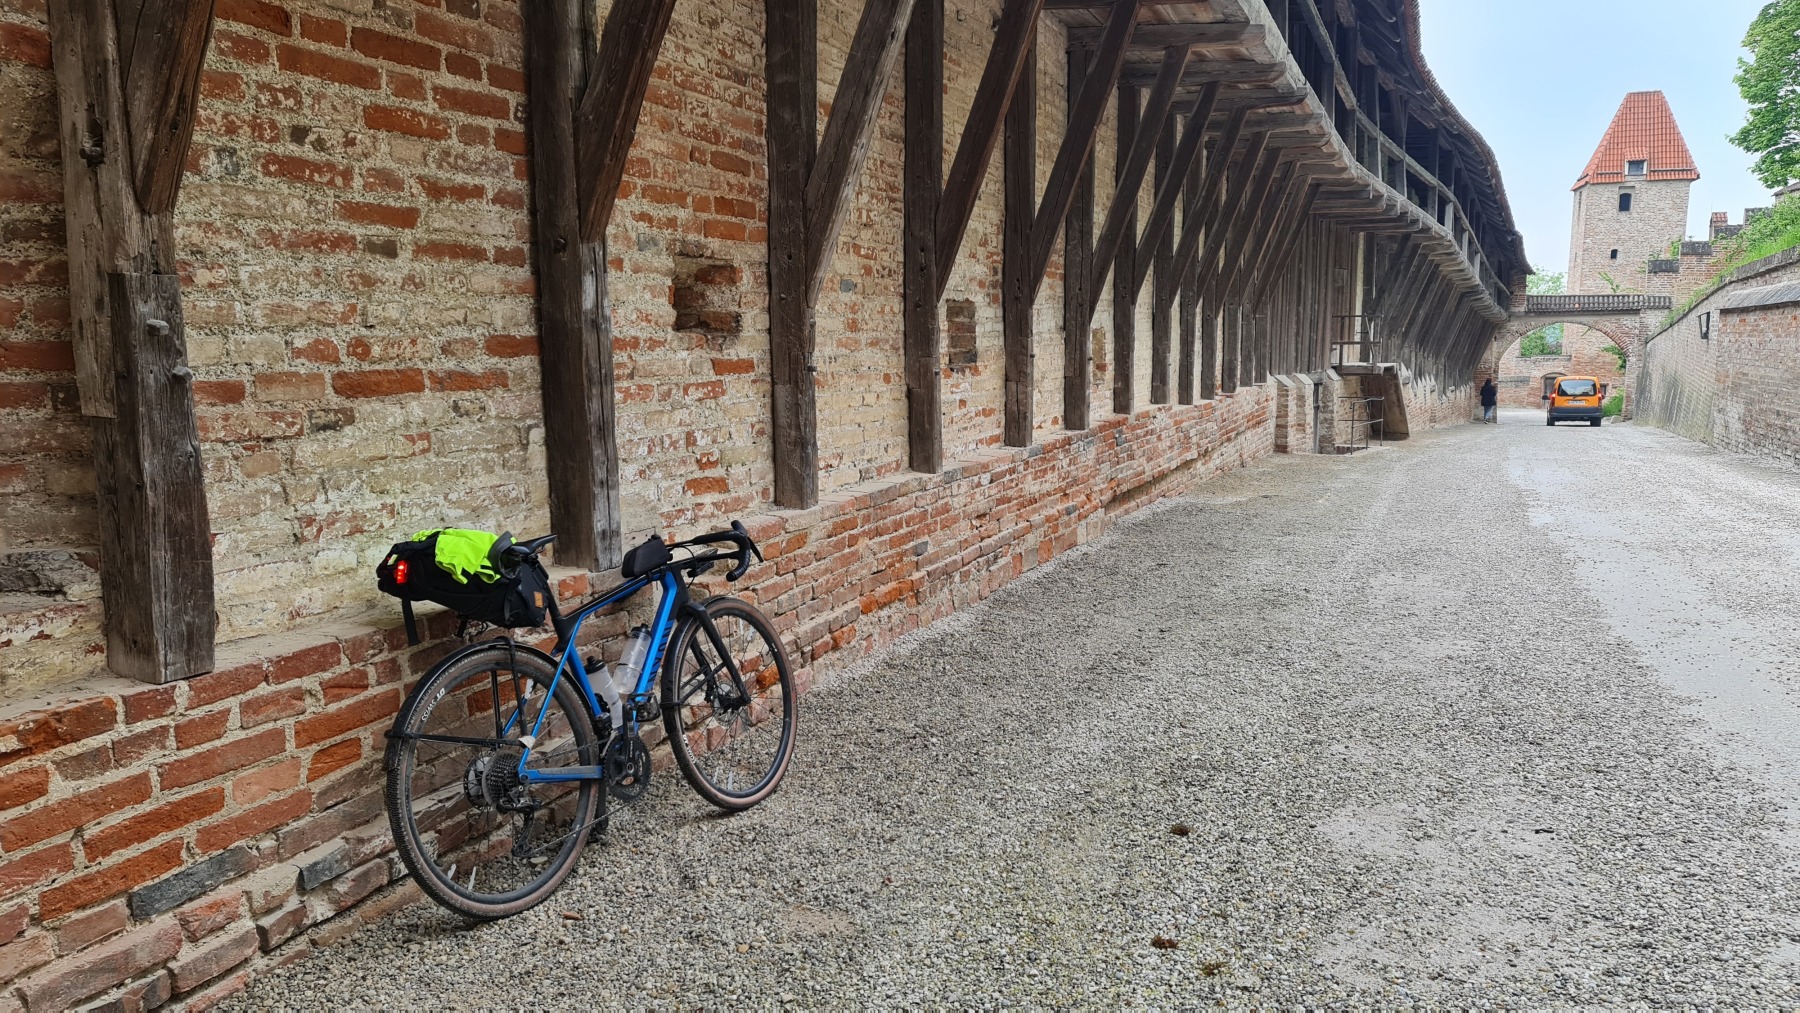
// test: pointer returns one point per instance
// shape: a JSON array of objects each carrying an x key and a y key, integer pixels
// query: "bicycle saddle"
[{"x": 532, "y": 547}]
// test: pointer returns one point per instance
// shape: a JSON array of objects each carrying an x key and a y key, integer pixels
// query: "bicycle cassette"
[{"x": 627, "y": 767}]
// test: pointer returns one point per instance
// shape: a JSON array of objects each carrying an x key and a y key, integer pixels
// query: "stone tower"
[{"x": 1631, "y": 203}]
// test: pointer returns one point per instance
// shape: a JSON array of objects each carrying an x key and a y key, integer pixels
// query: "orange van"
[{"x": 1574, "y": 399}]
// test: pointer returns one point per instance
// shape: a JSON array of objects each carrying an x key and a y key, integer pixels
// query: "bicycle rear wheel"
[
  {"x": 732, "y": 744},
  {"x": 477, "y": 838}
]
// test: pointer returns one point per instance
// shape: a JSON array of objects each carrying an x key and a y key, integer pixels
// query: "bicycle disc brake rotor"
[
  {"x": 492, "y": 782},
  {"x": 627, "y": 767}
]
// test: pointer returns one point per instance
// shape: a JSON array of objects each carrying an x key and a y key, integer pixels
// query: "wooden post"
[
  {"x": 923, "y": 185},
  {"x": 811, "y": 180},
  {"x": 1162, "y": 322},
  {"x": 1016, "y": 288},
  {"x": 1190, "y": 291},
  {"x": 1078, "y": 296},
  {"x": 1124, "y": 296},
  {"x": 126, "y": 97}
]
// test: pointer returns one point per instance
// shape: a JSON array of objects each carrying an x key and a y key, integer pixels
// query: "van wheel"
[
  {"x": 1549, "y": 422},
  {"x": 1595, "y": 423}
]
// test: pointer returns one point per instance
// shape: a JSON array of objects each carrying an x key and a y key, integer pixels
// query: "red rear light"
[{"x": 400, "y": 572}]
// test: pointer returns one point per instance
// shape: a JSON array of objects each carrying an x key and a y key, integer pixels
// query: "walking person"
[{"x": 1490, "y": 400}]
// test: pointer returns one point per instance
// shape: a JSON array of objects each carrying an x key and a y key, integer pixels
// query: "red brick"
[
  {"x": 462, "y": 380},
  {"x": 201, "y": 730},
  {"x": 510, "y": 141},
  {"x": 410, "y": 87},
  {"x": 324, "y": 66},
  {"x": 248, "y": 825},
  {"x": 219, "y": 84},
  {"x": 23, "y": 873},
  {"x": 216, "y": 686},
  {"x": 24, "y": 395},
  {"x": 506, "y": 78},
  {"x": 61, "y": 817},
  {"x": 283, "y": 703},
  {"x": 737, "y": 165},
  {"x": 86, "y": 974},
  {"x": 84, "y": 765},
  {"x": 290, "y": 386},
  {"x": 38, "y": 356},
  {"x": 311, "y": 661},
  {"x": 367, "y": 712},
  {"x": 378, "y": 214},
  {"x": 256, "y": 14},
  {"x": 306, "y": 170},
  {"x": 329, "y": 31},
  {"x": 209, "y": 392},
  {"x": 131, "y": 749},
  {"x": 345, "y": 685},
  {"x": 112, "y": 881},
  {"x": 84, "y": 930},
  {"x": 474, "y": 103},
  {"x": 208, "y": 915},
  {"x": 707, "y": 484},
  {"x": 257, "y": 785},
  {"x": 396, "y": 120},
  {"x": 41, "y": 731},
  {"x": 333, "y": 758},
  {"x": 454, "y": 33},
  {"x": 185, "y": 770},
  {"x": 394, "y": 49},
  {"x": 244, "y": 49},
  {"x": 196, "y": 969},
  {"x": 13, "y": 922},
  {"x": 24, "y": 44},
  {"x": 25, "y": 786},
  {"x": 463, "y": 65},
  {"x": 731, "y": 367},
  {"x": 97, "y": 845},
  {"x": 25, "y": 956},
  {"x": 319, "y": 350},
  {"x": 441, "y": 191},
  {"x": 449, "y": 251}
]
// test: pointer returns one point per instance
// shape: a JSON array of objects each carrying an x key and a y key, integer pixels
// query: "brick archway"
[{"x": 1626, "y": 320}]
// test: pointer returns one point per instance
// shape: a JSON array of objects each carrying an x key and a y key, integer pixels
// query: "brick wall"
[
  {"x": 170, "y": 841},
  {"x": 1658, "y": 218},
  {"x": 1726, "y": 390},
  {"x": 1521, "y": 379}
]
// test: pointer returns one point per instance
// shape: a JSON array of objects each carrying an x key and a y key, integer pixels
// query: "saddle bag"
[{"x": 499, "y": 590}]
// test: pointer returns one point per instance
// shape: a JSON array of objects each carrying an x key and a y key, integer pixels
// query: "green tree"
[
  {"x": 1544, "y": 340},
  {"x": 1770, "y": 82}
]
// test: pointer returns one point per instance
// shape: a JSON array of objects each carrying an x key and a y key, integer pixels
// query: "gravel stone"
[{"x": 1496, "y": 717}]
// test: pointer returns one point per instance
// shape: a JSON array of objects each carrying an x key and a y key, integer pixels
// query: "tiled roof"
[{"x": 1645, "y": 130}]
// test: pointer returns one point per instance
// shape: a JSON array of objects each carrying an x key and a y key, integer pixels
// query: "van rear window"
[{"x": 1576, "y": 388}]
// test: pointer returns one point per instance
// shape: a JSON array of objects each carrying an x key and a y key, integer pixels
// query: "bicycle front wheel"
[
  {"x": 480, "y": 839},
  {"x": 728, "y": 704}
]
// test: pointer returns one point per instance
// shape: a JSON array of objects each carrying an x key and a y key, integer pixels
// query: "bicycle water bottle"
[{"x": 631, "y": 661}]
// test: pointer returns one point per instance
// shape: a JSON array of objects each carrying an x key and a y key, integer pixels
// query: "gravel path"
[{"x": 1500, "y": 716}]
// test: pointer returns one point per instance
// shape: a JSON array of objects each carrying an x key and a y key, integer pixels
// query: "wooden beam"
[
  {"x": 1016, "y": 288},
  {"x": 1121, "y": 215},
  {"x": 1078, "y": 296},
  {"x": 1124, "y": 298},
  {"x": 856, "y": 106},
  {"x": 612, "y": 100},
  {"x": 1162, "y": 257},
  {"x": 1288, "y": 233},
  {"x": 923, "y": 183},
  {"x": 1013, "y": 39},
  {"x": 1220, "y": 33},
  {"x": 790, "y": 127},
  {"x": 1084, "y": 126},
  {"x": 1249, "y": 201},
  {"x": 160, "y": 58},
  {"x": 1168, "y": 193},
  {"x": 1205, "y": 73},
  {"x": 156, "y": 575},
  {"x": 574, "y": 315},
  {"x": 1190, "y": 292},
  {"x": 1217, "y": 200},
  {"x": 1257, "y": 232}
]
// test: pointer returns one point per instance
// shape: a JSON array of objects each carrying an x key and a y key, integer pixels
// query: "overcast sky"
[{"x": 1541, "y": 79}]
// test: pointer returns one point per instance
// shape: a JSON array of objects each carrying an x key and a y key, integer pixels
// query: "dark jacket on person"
[{"x": 1489, "y": 396}]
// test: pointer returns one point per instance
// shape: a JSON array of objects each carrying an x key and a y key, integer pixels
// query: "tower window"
[
  {"x": 1625, "y": 201},
  {"x": 1636, "y": 167},
  {"x": 1615, "y": 255}
]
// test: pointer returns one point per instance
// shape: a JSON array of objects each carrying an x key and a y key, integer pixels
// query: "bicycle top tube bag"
[{"x": 469, "y": 573}]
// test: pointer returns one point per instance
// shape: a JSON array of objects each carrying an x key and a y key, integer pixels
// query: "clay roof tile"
[{"x": 1643, "y": 130}]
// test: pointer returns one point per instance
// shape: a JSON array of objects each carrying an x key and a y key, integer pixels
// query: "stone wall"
[
  {"x": 1657, "y": 219},
  {"x": 1735, "y": 388},
  {"x": 1521, "y": 379}
]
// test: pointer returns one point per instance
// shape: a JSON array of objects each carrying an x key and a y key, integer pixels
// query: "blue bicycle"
[{"x": 500, "y": 763}]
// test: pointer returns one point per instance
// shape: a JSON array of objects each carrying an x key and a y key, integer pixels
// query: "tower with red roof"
[{"x": 1631, "y": 202}]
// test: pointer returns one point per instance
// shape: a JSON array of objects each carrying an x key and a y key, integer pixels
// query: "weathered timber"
[
  {"x": 1168, "y": 193},
  {"x": 156, "y": 567},
  {"x": 574, "y": 315},
  {"x": 160, "y": 58},
  {"x": 1201, "y": 73},
  {"x": 1190, "y": 293},
  {"x": 1016, "y": 288},
  {"x": 1121, "y": 214},
  {"x": 1260, "y": 230},
  {"x": 1013, "y": 39},
  {"x": 1209, "y": 340},
  {"x": 1217, "y": 34},
  {"x": 1124, "y": 298},
  {"x": 923, "y": 182},
  {"x": 1258, "y": 204},
  {"x": 1212, "y": 197},
  {"x": 611, "y": 101},
  {"x": 1078, "y": 296},
  {"x": 1078, "y": 143},
  {"x": 791, "y": 63},
  {"x": 156, "y": 573},
  {"x": 1162, "y": 321}
]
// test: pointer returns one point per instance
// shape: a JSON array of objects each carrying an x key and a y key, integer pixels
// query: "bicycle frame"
[{"x": 674, "y": 594}]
